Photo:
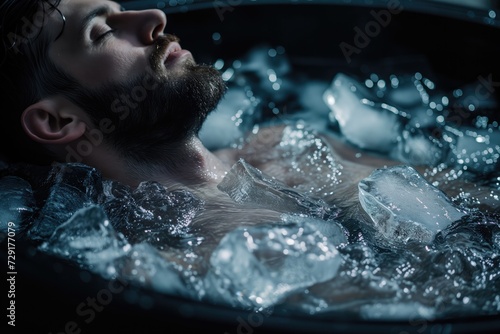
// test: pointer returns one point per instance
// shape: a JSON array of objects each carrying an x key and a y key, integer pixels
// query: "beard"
[{"x": 152, "y": 114}]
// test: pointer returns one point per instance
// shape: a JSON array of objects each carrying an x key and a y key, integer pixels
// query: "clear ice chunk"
[
  {"x": 229, "y": 122},
  {"x": 363, "y": 120},
  {"x": 150, "y": 213},
  {"x": 68, "y": 188},
  {"x": 260, "y": 266},
  {"x": 17, "y": 204},
  {"x": 404, "y": 206},
  {"x": 247, "y": 184},
  {"x": 87, "y": 238},
  {"x": 313, "y": 110},
  {"x": 401, "y": 131},
  {"x": 419, "y": 146},
  {"x": 404, "y": 92},
  {"x": 476, "y": 150},
  {"x": 308, "y": 161},
  {"x": 144, "y": 265}
]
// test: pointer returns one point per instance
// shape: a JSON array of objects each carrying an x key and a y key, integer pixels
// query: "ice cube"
[
  {"x": 143, "y": 264},
  {"x": 404, "y": 206},
  {"x": 363, "y": 120},
  {"x": 261, "y": 265},
  {"x": 229, "y": 122},
  {"x": 421, "y": 146},
  {"x": 87, "y": 238},
  {"x": 476, "y": 150},
  {"x": 68, "y": 188},
  {"x": 247, "y": 184}
]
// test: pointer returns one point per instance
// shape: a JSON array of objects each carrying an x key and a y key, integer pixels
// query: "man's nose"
[{"x": 148, "y": 24}]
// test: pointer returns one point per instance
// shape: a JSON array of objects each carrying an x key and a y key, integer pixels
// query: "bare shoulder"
[{"x": 257, "y": 149}]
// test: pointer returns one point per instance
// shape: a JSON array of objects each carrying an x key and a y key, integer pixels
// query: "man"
[
  {"x": 89, "y": 82},
  {"x": 92, "y": 83},
  {"x": 108, "y": 88},
  {"x": 89, "y": 64}
]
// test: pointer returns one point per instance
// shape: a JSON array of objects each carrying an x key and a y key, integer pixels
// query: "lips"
[
  {"x": 167, "y": 53},
  {"x": 173, "y": 52},
  {"x": 171, "y": 48}
]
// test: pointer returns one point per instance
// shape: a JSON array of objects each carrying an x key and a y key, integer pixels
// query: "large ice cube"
[
  {"x": 68, "y": 188},
  {"x": 386, "y": 124},
  {"x": 230, "y": 121},
  {"x": 247, "y": 184},
  {"x": 261, "y": 265},
  {"x": 87, "y": 238},
  {"x": 363, "y": 120},
  {"x": 404, "y": 206}
]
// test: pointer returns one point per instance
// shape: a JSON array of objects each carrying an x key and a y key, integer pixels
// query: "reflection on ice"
[
  {"x": 17, "y": 203},
  {"x": 372, "y": 123},
  {"x": 260, "y": 266},
  {"x": 68, "y": 188},
  {"x": 143, "y": 264},
  {"x": 404, "y": 206},
  {"x": 246, "y": 184},
  {"x": 413, "y": 123},
  {"x": 87, "y": 238},
  {"x": 364, "y": 121},
  {"x": 150, "y": 213}
]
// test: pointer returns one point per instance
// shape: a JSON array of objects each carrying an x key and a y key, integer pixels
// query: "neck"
[{"x": 189, "y": 164}]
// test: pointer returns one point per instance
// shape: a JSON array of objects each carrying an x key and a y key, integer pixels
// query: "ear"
[{"x": 53, "y": 121}]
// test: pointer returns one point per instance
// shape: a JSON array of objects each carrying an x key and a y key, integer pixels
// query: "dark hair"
[{"x": 27, "y": 75}]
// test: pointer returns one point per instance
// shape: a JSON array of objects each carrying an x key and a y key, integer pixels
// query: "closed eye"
[
  {"x": 100, "y": 31},
  {"x": 102, "y": 37}
]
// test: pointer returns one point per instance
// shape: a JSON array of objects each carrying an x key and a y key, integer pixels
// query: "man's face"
[
  {"x": 101, "y": 43},
  {"x": 129, "y": 71}
]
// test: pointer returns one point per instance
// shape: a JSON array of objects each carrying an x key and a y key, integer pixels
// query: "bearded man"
[{"x": 90, "y": 82}]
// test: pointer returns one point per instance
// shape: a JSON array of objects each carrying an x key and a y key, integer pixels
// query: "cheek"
[
  {"x": 107, "y": 67},
  {"x": 117, "y": 61}
]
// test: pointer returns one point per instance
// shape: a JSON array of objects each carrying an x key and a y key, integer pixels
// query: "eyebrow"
[{"x": 87, "y": 20}]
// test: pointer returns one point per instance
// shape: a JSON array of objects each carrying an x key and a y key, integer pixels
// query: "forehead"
[{"x": 79, "y": 8}]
